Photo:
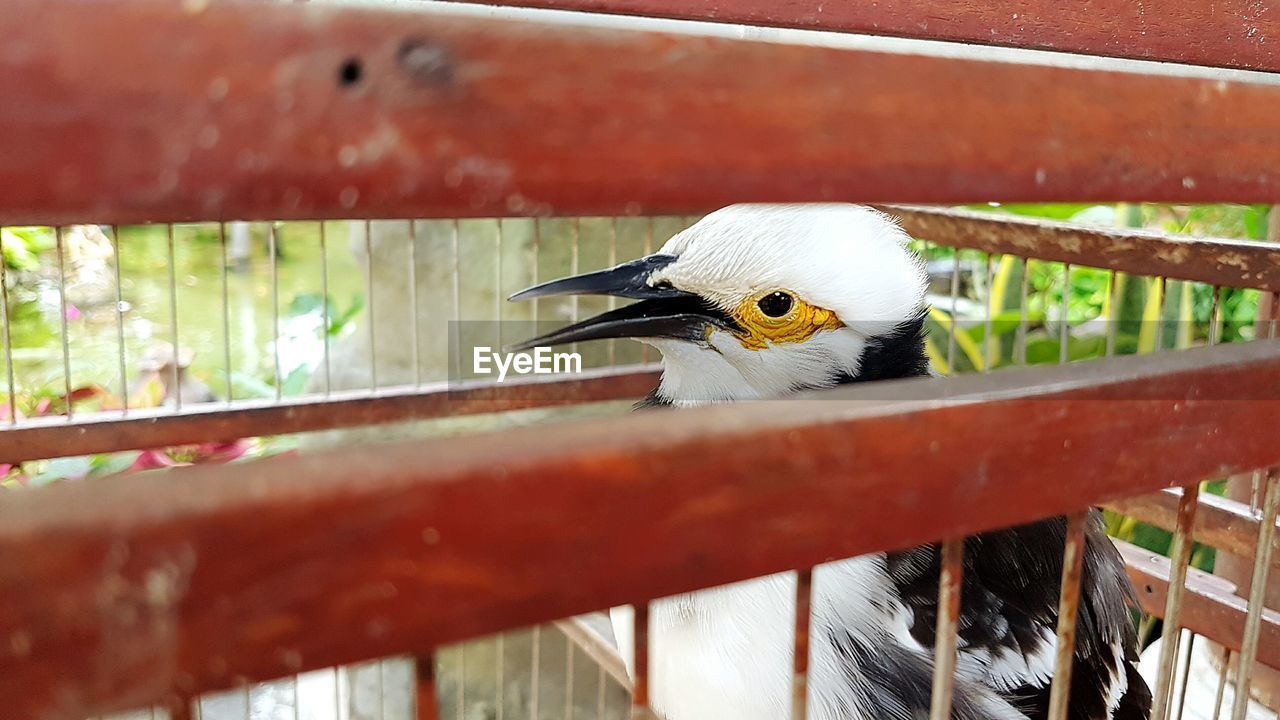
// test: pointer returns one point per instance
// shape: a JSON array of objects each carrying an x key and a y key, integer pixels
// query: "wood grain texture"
[
  {"x": 1220, "y": 522},
  {"x": 292, "y": 111},
  {"x": 1226, "y": 33},
  {"x": 119, "y": 593}
]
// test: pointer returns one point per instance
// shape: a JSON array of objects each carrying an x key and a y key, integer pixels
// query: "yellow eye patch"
[{"x": 778, "y": 316}]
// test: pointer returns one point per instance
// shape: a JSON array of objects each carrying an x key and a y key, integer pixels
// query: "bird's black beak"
[{"x": 662, "y": 311}]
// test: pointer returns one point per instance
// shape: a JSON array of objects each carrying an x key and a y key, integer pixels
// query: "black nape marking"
[{"x": 897, "y": 354}]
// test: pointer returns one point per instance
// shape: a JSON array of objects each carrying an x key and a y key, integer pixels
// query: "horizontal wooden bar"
[
  {"x": 215, "y": 422},
  {"x": 1230, "y": 33},
  {"x": 1231, "y": 263},
  {"x": 312, "y": 111},
  {"x": 1210, "y": 607},
  {"x": 120, "y": 592},
  {"x": 1220, "y": 522}
]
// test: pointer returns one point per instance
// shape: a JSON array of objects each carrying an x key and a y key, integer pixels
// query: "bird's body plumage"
[{"x": 762, "y": 301}]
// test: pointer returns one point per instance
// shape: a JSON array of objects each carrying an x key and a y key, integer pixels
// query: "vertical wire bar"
[
  {"x": 535, "y": 660},
  {"x": 600, "y": 692},
  {"x": 612, "y": 346},
  {"x": 462, "y": 681},
  {"x": 324, "y": 310},
  {"x": 537, "y": 250},
  {"x": 640, "y": 689},
  {"x": 8, "y": 342},
  {"x": 944, "y": 645},
  {"x": 226, "y": 312},
  {"x": 62, "y": 308},
  {"x": 295, "y": 698},
  {"x": 1112, "y": 313},
  {"x": 1180, "y": 555},
  {"x": 275, "y": 306},
  {"x": 1186, "y": 676},
  {"x": 501, "y": 674},
  {"x": 1065, "y": 333},
  {"x": 1021, "y": 339},
  {"x": 1257, "y": 597},
  {"x": 986, "y": 335},
  {"x": 173, "y": 320},
  {"x": 1161, "y": 282},
  {"x": 955, "y": 320},
  {"x": 568, "y": 677},
  {"x": 425, "y": 698},
  {"x": 248, "y": 705},
  {"x": 368, "y": 284},
  {"x": 1215, "y": 313},
  {"x": 575, "y": 235},
  {"x": 497, "y": 285},
  {"x": 457, "y": 300},
  {"x": 413, "y": 301},
  {"x": 800, "y": 675},
  {"x": 124, "y": 377},
  {"x": 337, "y": 684},
  {"x": 648, "y": 250},
  {"x": 382, "y": 690},
  {"x": 1222, "y": 686},
  {"x": 1068, "y": 610}
]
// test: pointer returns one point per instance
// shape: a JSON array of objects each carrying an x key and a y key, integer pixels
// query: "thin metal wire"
[
  {"x": 537, "y": 247},
  {"x": 497, "y": 284},
  {"x": 324, "y": 310},
  {"x": 1215, "y": 316},
  {"x": 62, "y": 309},
  {"x": 295, "y": 698},
  {"x": 613, "y": 301},
  {"x": 8, "y": 343},
  {"x": 1112, "y": 313},
  {"x": 275, "y": 307},
  {"x": 501, "y": 664},
  {"x": 413, "y": 301},
  {"x": 1161, "y": 283},
  {"x": 1180, "y": 556},
  {"x": 535, "y": 671},
  {"x": 800, "y": 673},
  {"x": 226, "y": 312},
  {"x": 462, "y": 681},
  {"x": 173, "y": 320},
  {"x": 248, "y": 705},
  {"x": 955, "y": 319},
  {"x": 120, "y": 351},
  {"x": 1023, "y": 289},
  {"x": 1222, "y": 685},
  {"x": 382, "y": 690},
  {"x": 1257, "y": 597},
  {"x": 1065, "y": 331},
  {"x": 568, "y": 678},
  {"x": 987, "y": 343},
  {"x": 337, "y": 675},
  {"x": 368, "y": 284},
  {"x": 600, "y": 692},
  {"x": 457, "y": 301},
  {"x": 944, "y": 669},
  {"x": 1068, "y": 611},
  {"x": 575, "y": 236},
  {"x": 1186, "y": 675},
  {"x": 640, "y": 688},
  {"x": 648, "y": 250}
]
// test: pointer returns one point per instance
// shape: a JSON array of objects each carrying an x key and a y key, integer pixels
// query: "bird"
[{"x": 760, "y": 301}]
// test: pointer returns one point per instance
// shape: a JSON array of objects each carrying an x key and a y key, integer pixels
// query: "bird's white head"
[{"x": 758, "y": 301}]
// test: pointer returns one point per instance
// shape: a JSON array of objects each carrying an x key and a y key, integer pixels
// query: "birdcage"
[{"x": 218, "y": 176}]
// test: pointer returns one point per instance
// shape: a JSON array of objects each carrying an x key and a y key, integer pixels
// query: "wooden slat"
[
  {"x": 1210, "y": 607},
  {"x": 108, "y": 432},
  {"x": 1218, "y": 261},
  {"x": 1220, "y": 522},
  {"x": 119, "y": 592},
  {"x": 1226, "y": 33},
  {"x": 288, "y": 111}
]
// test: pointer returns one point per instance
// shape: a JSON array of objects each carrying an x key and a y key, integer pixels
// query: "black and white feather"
[{"x": 724, "y": 653}]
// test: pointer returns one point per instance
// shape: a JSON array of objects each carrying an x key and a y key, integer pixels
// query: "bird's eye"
[{"x": 775, "y": 304}]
